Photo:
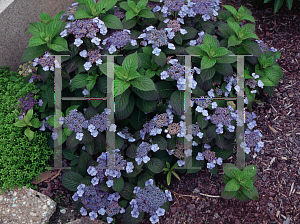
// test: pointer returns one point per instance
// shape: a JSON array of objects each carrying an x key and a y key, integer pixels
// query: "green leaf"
[
  {"x": 58, "y": 16},
  {"x": 127, "y": 111},
  {"x": 246, "y": 183},
  {"x": 121, "y": 101},
  {"x": 249, "y": 35},
  {"x": 201, "y": 122},
  {"x": 226, "y": 30},
  {"x": 160, "y": 141},
  {"x": 277, "y": 5},
  {"x": 146, "y": 95},
  {"x": 211, "y": 132},
  {"x": 120, "y": 72},
  {"x": 207, "y": 62},
  {"x": 79, "y": 81},
  {"x": 228, "y": 169},
  {"x": 233, "y": 40},
  {"x": 267, "y": 82},
  {"x": 118, "y": 184},
  {"x": 221, "y": 51},
  {"x": 207, "y": 74},
  {"x": 248, "y": 17},
  {"x": 225, "y": 178},
  {"x": 130, "y": 15},
  {"x": 146, "y": 106},
  {"x": 82, "y": 14},
  {"x": 241, "y": 196},
  {"x": 165, "y": 89},
  {"x": 191, "y": 33},
  {"x": 250, "y": 96},
  {"x": 143, "y": 83},
  {"x": 224, "y": 154},
  {"x": 251, "y": 193},
  {"x": 161, "y": 60},
  {"x": 289, "y": 4},
  {"x": 36, "y": 123},
  {"x": 69, "y": 154},
  {"x": 127, "y": 217},
  {"x": 128, "y": 24},
  {"x": 72, "y": 142},
  {"x": 131, "y": 62},
  {"x": 232, "y": 185},
  {"x": 210, "y": 41},
  {"x": 169, "y": 178},
  {"x": 149, "y": 73},
  {"x": 71, "y": 180},
  {"x": 45, "y": 17},
  {"x": 252, "y": 47},
  {"x": 177, "y": 101},
  {"x": 205, "y": 48},
  {"x": 29, "y": 133},
  {"x": 35, "y": 41},
  {"x": 53, "y": 28},
  {"x": 124, "y": 5},
  {"x": 238, "y": 174},
  {"x": 249, "y": 171},
  {"x": 178, "y": 38},
  {"x": 155, "y": 165},
  {"x": 83, "y": 158},
  {"x": 120, "y": 86},
  {"x": 146, "y": 14},
  {"x": 273, "y": 75},
  {"x": 230, "y": 9},
  {"x": 131, "y": 5},
  {"x": 20, "y": 124},
  {"x": 142, "y": 4},
  {"x": 146, "y": 60},
  {"x": 137, "y": 119},
  {"x": 33, "y": 52},
  {"x": 59, "y": 44},
  {"x": 113, "y": 22},
  {"x": 105, "y": 5},
  {"x": 35, "y": 28},
  {"x": 224, "y": 68},
  {"x": 228, "y": 194}
]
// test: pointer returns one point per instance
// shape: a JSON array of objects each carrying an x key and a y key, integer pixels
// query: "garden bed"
[{"x": 278, "y": 162}]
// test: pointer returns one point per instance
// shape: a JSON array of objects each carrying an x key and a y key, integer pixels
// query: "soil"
[{"x": 196, "y": 196}]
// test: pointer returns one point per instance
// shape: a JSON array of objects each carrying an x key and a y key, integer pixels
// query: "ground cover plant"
[{"x": 149, "y": 96}]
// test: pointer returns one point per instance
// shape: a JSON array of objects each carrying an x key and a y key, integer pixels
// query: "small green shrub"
[{"x": 20, "y": 160}]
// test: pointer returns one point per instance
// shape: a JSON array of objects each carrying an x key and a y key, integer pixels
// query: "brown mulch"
[{"x": 278, "y": 120}]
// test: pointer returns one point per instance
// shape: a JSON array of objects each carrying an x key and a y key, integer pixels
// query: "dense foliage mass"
[{"x": 149, "y": 95}]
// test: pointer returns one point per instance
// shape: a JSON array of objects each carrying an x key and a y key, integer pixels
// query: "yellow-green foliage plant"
[{"x": 21, "y": 160}]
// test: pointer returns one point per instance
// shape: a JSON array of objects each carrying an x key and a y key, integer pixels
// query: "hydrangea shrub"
[{"x": 149, "y": 83}]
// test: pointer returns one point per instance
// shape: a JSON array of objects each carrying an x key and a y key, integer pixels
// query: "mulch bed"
[{"x": 278, "y": 120}]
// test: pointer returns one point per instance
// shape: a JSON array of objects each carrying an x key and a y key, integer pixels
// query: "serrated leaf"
[
  {"x": 251, "y": 193},
  {"x": 127, "y": 190},
  {"x": 71, "y": 180},
  {"x": 120, "y": 86},
  {"x": 228, "y": 169},
  {"x": 83, "y": 158},
  {"x": 233, "y": 40},
  {"x": 177, "y": 101},
  {"x": 146, "y": 106},
  {"x": 143, "y": 83},
  {"x": 155, "y": 165},
  {"x": 230, "y": 9},
  {"x": 160, "y": 141},
  {"x": 113, "y": 22},
  {"x": 137, "y": 119},
  {"x": 228, "y": 194},
  {"x": 118, "y": 184}
]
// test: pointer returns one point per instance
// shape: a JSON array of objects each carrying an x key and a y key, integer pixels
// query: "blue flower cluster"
[
  {"x": 70, "y": 11},
  {"x": 207, "y": 9},
  {"x": 119, "y": 13},
  {"x": 94, "y": 56},
  {"x": 157, "y": 38},
  {"x": 76, "y": 121},
  {"x": 27, "y": 103},
  {"x": 264, "y": 47},
  {"x": 142, "y": 151},
  {"x": 126, "y": 135},
  {"x": 118, "y": 39},
  {"x": 252, "y": 139},
  {"x": 47, "y": 62},
  {"x": 100, "y": 202},
  {"x": 149, "y": 200},
  {"x": 177, "y": 72},
  {"x": 210, "y": 157}
]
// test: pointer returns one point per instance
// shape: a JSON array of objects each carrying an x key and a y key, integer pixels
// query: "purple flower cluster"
[
  {"x": 100, "y": 202},
  {"x": 94, "y": 56},
  {"x": 46, "y": 61},
  {"x": 118, "y": 39},
  {"x": 76, "y": 121},
  {"x": 34, "y": 77},
  {"x": 126, "y": 135},
  {"x": 112, "y": 164},
  {"x": 142, "y": 151},
  {"x": 253, "y": 139},
  {"x": 210, "y": 157},
  {"x": 149, "y": 200},
  {"x": 84, "y": 28},
  {"x": 221, "y": 116},
  {"x": 27, "y": 103},
  {"x": 119, "y": 13},
  {"x": 264, "y": 47}
]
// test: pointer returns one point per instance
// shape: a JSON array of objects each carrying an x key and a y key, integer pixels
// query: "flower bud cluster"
[
  {"x": 253, "y": 139},
  {"x": 27, "y": 68},
  {"x": 99, "y": 201},
  {"x": 76, "y": 121},
  {"x": 149, "y": 200}
]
